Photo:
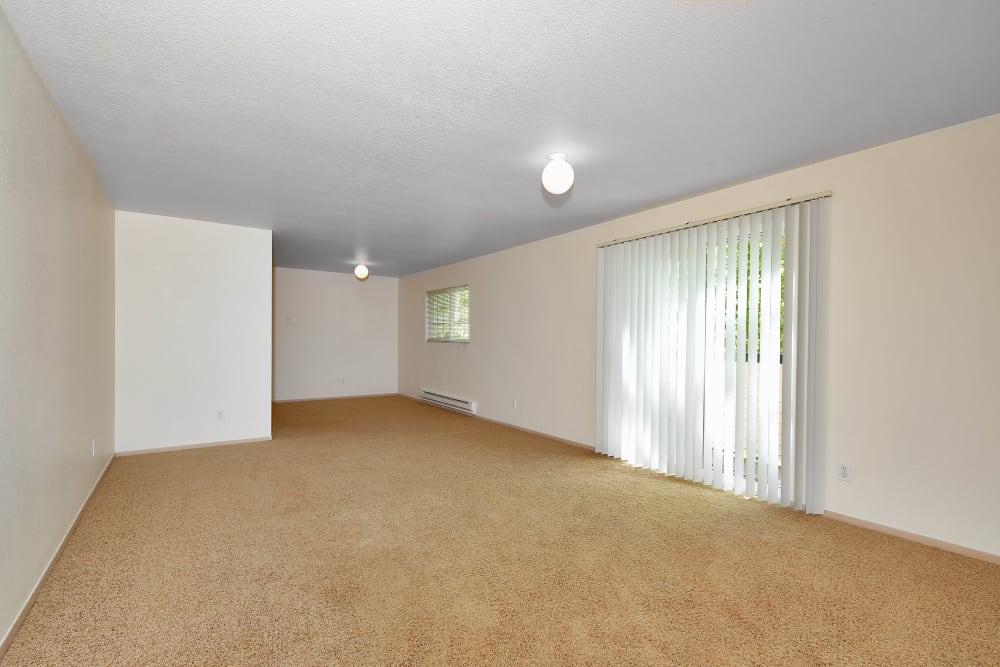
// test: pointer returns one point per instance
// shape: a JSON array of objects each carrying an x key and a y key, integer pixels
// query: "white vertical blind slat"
[
  {"x": 753, "y": 345},
  {"x": 802, "y": 414},
  {"x": 684, "y": 277},
  {"x": 719, "y": 368},
  {"x": 766, "y": 389},
  {"x": 740, "y": 416},
  {"x": 687, "y": 356},
  {"x": 694, "y": 462},
  {"x": 654, "y": 377},
  {"x": 729, "y": 423},
  {"x": 675, "y": 352},
  {"x": 815, "y": 499},
  {"x": 789, "y": 354},
  {"x": 615, "y": 352},
  {"x": 801, "y": 353},
  {"x": 600, "y": 398},
  {"x": 641, "y": 360},
  {"x": 649, "y": 373},
  {"x": 802, "y": 425},
  {"x": 711, "y": 378},
  {"x": 665, "y": 348},
  {"x": 773, "y": 279},
  {"x": 629, "y": 386}
]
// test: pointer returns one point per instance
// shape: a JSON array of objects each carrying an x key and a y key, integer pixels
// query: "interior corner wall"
[
  {"x": 56, "y": 328},
  {"x": 334, "y": 335},
  {"x": 192, "y": 332},
  {"x": 908, "y": 324}
]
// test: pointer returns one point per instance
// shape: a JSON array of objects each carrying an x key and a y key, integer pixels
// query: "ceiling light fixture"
[
  {"x": 361, "y": 272},
  {"x": 557, "y": 177}
]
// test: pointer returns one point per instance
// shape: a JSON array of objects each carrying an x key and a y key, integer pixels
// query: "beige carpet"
[{"x": 384, "y": 531}]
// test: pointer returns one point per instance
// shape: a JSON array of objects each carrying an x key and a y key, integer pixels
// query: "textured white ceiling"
[{"x": 413, "y": 134}]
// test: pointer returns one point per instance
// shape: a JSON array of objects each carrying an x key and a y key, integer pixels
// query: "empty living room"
[{"x": 541, "y": 333}]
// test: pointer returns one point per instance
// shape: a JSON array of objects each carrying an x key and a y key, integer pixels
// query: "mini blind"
[{"x": 447, "y": 313}]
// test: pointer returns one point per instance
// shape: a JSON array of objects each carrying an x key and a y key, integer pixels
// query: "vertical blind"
[
  {"x": 447, "y": 315},
  {"x": 706, "y": 354}
]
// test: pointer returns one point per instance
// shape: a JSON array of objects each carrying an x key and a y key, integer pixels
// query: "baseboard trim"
[
  {"x": 916, "y": 537},
  {"x": 513, "y": 426},
  {"x": 200, "y": 445},
  {"x": 29, "y": 603},
  {"x": 565, "y": 441},
  {"x": 330, "y": 398}
]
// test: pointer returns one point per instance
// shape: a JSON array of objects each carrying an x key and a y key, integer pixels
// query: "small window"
[{"x": 448, "y": 315}]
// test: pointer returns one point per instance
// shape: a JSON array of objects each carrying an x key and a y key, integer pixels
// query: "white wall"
[
  {"x": 333, "y": 335},
  {"x": 908, "y": 328},
  {"x": 192, "y": 332},
  {"x": 56, "y": 328}
]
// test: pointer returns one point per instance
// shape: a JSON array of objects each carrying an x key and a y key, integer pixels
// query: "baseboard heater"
[{"x": 446, "y": 401}]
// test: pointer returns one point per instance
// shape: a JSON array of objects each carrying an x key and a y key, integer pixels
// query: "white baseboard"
[
  {"x": 200, "y": 445},
  {"x": 916, "y": 537},
  {"x": 330, "y": 398},
  {"x": 26, "y": 607},
  {"x": 565, "y": 441},
  {"x": 515, "y": 427}
]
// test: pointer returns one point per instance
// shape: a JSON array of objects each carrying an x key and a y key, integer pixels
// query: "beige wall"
[
  {"x": 56, "y": 328},
  {"x": 334, "y": 335},
  {"x": 909, "y": 369},
  {"x": 192, "y": 332}
]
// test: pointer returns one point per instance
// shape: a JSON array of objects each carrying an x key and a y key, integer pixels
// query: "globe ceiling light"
[
  {"x": 361, "y": 272},
  {"x": 557, "y": 177}
]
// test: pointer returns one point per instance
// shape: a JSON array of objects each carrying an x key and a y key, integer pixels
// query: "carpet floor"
[{"x": 385, "y": 531}]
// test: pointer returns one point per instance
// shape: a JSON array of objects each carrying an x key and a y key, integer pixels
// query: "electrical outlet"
[
  {"x": 844, "y": 472},
  {"x": 513, "y": 403},
  {"x": 93, "y": 448},
  {"x": 220, "y": 416}
]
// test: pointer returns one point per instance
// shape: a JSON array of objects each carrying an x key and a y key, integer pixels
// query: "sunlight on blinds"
[{"x": 706, "y": 353}]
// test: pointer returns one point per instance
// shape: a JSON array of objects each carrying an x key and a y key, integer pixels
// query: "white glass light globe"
[
  {"x": 361, "y": 272},
  {"x": 557, "y": 177}
]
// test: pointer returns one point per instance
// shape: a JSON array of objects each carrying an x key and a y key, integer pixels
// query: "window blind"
[
  {"x": 706, "y": 354},
  {"x": 447, "y": 315}
]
